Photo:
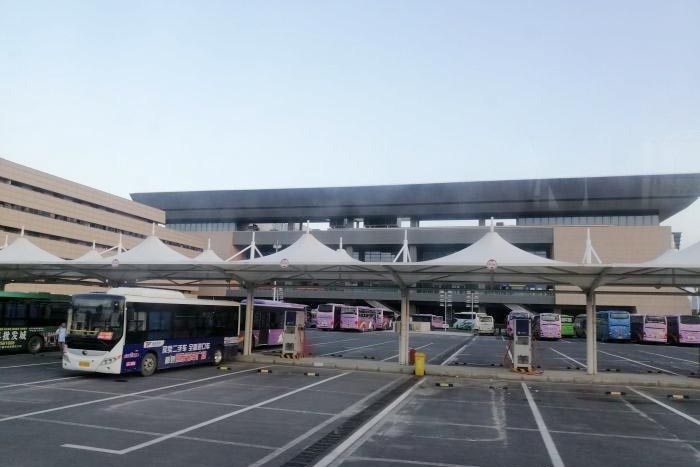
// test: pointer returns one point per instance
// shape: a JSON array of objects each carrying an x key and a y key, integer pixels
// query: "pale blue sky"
[{"x": 146, "y": 96}]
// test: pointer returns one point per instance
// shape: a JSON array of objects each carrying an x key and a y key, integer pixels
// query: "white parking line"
[
  {"x": 665, "y": 406},
  {"x": 417, "y": 348},
  {"x": 178, "y": 433},
  {"x": 452, "y": 357},
  {"x": 639, "y": 363},
  {"x": 345, "y": 413},
  {"x": 29, "y": 383},
  {"x": 30, "y": 364},
  {"x": 360, "y": 432},
  {"x": 566, "y": 356},
  {"x": 546, "y": 436},
  {"x": 694, "y": 362},
  {"x": 130, "y": 394},
  {"x": 355, "y": 348}
]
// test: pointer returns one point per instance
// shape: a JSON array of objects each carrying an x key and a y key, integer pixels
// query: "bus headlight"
[{"x": 110, "y": 360}]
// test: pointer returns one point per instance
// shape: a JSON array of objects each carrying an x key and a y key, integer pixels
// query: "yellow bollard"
[{"x": 420, "y": 364}]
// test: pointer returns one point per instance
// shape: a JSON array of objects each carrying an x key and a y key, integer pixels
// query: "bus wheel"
[
  {"x": 35, "y": 344},
  {"x": 149, "y": 364},
  {"x": 218, "y": 357}
]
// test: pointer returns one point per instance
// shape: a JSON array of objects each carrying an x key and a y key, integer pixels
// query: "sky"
[{"x": 166, "y": 96}]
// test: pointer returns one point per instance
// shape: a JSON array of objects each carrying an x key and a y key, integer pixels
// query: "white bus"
[{"x": 143, "y": 330}]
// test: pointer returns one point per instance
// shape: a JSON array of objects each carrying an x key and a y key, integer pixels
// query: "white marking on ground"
[
  {"x": 694, "y": 362},
  {"x": 345, "y": 413},
  {"x": 454, "y": 355},
  {"x": 639, "y": 363},
  {"x": 417, "y": 348},
  {"x": 666, "y": 406},
  {"x": 391, "y": 460},
  {"x": 178, "y": 433},
  {"x": 355, "y": 348},
  {"x": 569, "y": 358},
  {"x": 14, "y": 385},
  {"x": 542, "y": 426},
  {"x": 360, "y": 432},
  {"x": 31, "y": 364},
  {"x": 130, "y": 394}
]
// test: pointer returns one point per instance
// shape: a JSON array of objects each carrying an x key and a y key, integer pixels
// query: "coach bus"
[
  {"x": 613, "y": 325},
  {"x": 465, "y": 320},
  {"x": 357, "y": 318},
  {"x": 143, "y": 330},
  {"x": 580, "y": 325},
  {"x": 647, "y": 328},
  {"x": 269, "y": 319},
  {"x": 546, "y": 326},
  {"x": 683, "y": 329},
  {"x": 567, "y": 326},
  {"x": 328, "y": 316},
  {"x": 28, "y": 321},
  {"x": 510, "y": 319},
  {"x": 436, "y": 322}
]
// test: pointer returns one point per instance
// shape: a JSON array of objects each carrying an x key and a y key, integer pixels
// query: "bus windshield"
[
  {"x": 548, "y": 317},
  {"x": 619, "y": 315},
  {"x": 655, "y": 319},
  {"x": 101, "y": 317},
  {"x": 325, "y": 308},
  {"x": 348, "y": 311}
]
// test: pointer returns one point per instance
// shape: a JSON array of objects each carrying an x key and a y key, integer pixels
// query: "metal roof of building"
[{"x": 663, "y": 195}]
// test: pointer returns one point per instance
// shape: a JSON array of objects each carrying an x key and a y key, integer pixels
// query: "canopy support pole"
[
  {"x": 403, "y": 328},
  {"x": 248, "y": 333},
  {"x": 591, "y": 343}
]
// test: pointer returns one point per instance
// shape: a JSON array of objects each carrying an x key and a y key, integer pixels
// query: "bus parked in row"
[
  {"x": 357, "y": 318},
  {"x": 647, "y": 328},
  {"x": 580, "y": 325},
  {"x": 465, "y": 320},
  {"x": 328, "y": 316},
  {"x": 567, "y": 326},
  {"x": 269, "y": 320},
  {"x": 613, "y": 325},
  {"x": 546, "y": 326},
  {"x": 436, "y": 322},
  {"x": 683, "y": 329},
  {"x": 28, "y": 321},
  {"x": 485, "y": 324},
  {"x": 383, "y": 319},
  {"x": 143, "y": 330}
]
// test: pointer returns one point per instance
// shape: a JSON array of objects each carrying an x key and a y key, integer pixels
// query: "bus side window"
[{"x": 159, "y": 323}]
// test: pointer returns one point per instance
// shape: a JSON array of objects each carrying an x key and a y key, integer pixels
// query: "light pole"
[
  {"x": 277, "y": 245},
  {"x": 446, "y": 301}
]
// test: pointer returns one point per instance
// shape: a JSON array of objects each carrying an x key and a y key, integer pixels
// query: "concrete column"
[
  {"x": 403, "y": 329},
  {"x": 248, "y": 336},
  {"x": 413, "y": 251},
  {"x": 591, "y": 344}
]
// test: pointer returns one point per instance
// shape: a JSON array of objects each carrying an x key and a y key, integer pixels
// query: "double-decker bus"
[
  {"x": 28, "y": 321},
  {"x": 547, "y": 326},
  {"x": 143, "y": 330},
  {"x": 647, "y": 328},
  {"x": 269, "y": 319},
  {"x": 683, "y": 329},
  {"x": 357, "y": 318},
  {"x": 567, "y": 326},
  {"x": 328, "y": 316},
  {"x": 613, "y": 325}
]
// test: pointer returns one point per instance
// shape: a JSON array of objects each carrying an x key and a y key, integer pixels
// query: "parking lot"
[
  {"x": 490, "y": 351},
  {"x": 244, "y": 417}
]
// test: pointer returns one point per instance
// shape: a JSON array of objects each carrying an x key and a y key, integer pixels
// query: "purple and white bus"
[
  {"x": 547, "y": 326},
  {"x": 328, "y": 316},
  {"x": 269, "y": 319},
  {"x": 436, "y": 322},
  {"x": 357, "y": 318},
  {"x": 383, "y": 319},
  {"x": 683, "y": 329},
  {"x": 647, "y": 328},
  {"x": 143, "y": 330}
]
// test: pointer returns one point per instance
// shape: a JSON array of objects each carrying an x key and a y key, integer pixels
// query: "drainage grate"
[{"x": 321, "y": 447}]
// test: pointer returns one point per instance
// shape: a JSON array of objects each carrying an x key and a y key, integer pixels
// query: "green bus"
[
  {"x": 28, "y": 321},
  {"x": 567, "y": 326}
]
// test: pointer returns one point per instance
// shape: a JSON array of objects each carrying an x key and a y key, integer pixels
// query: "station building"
[
  {"x": 549, "y": 217},
  {"x": 66, "y": 218}
]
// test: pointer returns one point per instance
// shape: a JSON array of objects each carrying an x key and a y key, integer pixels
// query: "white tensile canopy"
[
  {"x": 151, "y": 250},
  {"x": 91, "y": 256},
  {"x": 21, "y": 250}
]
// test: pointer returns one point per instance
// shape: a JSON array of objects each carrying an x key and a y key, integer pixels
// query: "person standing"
[{"x": 61, "y": 335}]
